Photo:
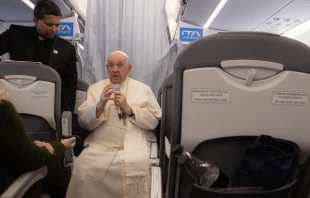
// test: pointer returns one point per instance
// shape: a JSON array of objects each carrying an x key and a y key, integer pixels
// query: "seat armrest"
[
  {"x": 156, "y": 190},
  {"x": 154, "y": 161},
  {"x": 153, "y": 151},
  {"x": 18, "y": 188},
  {"x": 66, "y": 122}
]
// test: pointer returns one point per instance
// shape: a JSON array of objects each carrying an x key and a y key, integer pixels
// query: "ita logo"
[
  {"x": 190, "y": 34},
  {"x": 66, "y": 29}
]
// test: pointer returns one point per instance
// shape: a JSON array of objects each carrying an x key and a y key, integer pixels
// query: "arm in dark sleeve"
[
  {"x": 69, "y": 83},
  {"x": 5, "y": 42},
  {"x": 17, "y": 150}
]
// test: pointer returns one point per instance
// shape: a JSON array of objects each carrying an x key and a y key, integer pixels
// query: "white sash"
[{"x": 136, "y": 163}]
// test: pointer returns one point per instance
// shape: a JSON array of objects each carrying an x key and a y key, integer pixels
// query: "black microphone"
[{"x": 117, "y": 88}]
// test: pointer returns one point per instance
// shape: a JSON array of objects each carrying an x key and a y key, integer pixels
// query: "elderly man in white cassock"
[{"x": 115, "y": 161}]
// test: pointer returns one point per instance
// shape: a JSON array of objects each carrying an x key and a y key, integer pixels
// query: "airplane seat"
[
  {"x": 20, "y": 186},
  {"x": 81, "y": 90},
  {"x": 35, "y": 92},
  {"x": 157, "y": 129},
  {"x": 166, "y": 102},
  {"x": 230, "y": 88}
]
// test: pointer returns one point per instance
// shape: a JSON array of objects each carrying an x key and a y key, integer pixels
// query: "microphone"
[{"x": 117, "y": 88}]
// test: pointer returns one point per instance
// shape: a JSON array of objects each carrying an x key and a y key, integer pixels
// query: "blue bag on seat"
[{"x": 267, "y": 163}]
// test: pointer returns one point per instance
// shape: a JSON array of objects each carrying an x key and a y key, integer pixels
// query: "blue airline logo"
[
  {"x": 190, "y": 34},
  {"x": 66, "y": 29}
]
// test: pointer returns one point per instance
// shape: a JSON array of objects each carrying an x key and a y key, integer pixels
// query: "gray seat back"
[
  {"x": 211, "y": 101},
  {"x": 158, "y": 128},
  {"x": 165, "y": 127},
  {"x": 81, "y": 90},
  {"x": 35, "y": 92}
]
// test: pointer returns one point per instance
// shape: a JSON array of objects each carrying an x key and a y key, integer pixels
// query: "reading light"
[{"x": 215, "y": 13}]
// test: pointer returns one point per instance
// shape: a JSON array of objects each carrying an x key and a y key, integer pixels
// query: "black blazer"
[{"x": 20, "y": 41}]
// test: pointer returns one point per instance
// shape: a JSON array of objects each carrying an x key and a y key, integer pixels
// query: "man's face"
[
  {"x": 48, "y": 26},
  {"x": 118, "y": 68}
]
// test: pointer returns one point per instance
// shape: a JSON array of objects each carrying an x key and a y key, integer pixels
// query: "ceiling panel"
[
  {"x": 197, "y": 12},
  {"x": 293, "y": 14},
  {"x": 15, "y": 10},
  {"x": 246, "y": 15}
]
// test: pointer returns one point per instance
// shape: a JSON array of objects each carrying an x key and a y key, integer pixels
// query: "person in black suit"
[{"x": 41, "y": 44}]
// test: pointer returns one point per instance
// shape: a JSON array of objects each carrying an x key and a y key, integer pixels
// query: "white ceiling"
[
  {"x": 23, "y": 12},
  {"x": 17, "y": 11},
  {"x": 275, "y": 16}
]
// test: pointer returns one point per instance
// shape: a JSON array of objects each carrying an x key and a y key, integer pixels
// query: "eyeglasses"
[
  {"x": 50, "y": 25},
  {"x": 119, "y": 66}
]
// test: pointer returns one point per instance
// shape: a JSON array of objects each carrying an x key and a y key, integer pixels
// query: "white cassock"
[{"x": 115, "y": 160}]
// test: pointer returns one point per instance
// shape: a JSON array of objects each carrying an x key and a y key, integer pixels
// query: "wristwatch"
[{"x": 131, "y": 113}]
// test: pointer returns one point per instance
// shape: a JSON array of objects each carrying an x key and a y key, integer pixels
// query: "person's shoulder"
[
  {"x": 21, "y": 28},
  {"x": 21, "y": 31},
  {"x": 5, "y": 103},
  {"x": 139, "y": 83},
  {"x": 63, "y": 42},
  {"x": 6, "y": 106},
  {"x": 9, "y": 117}
]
